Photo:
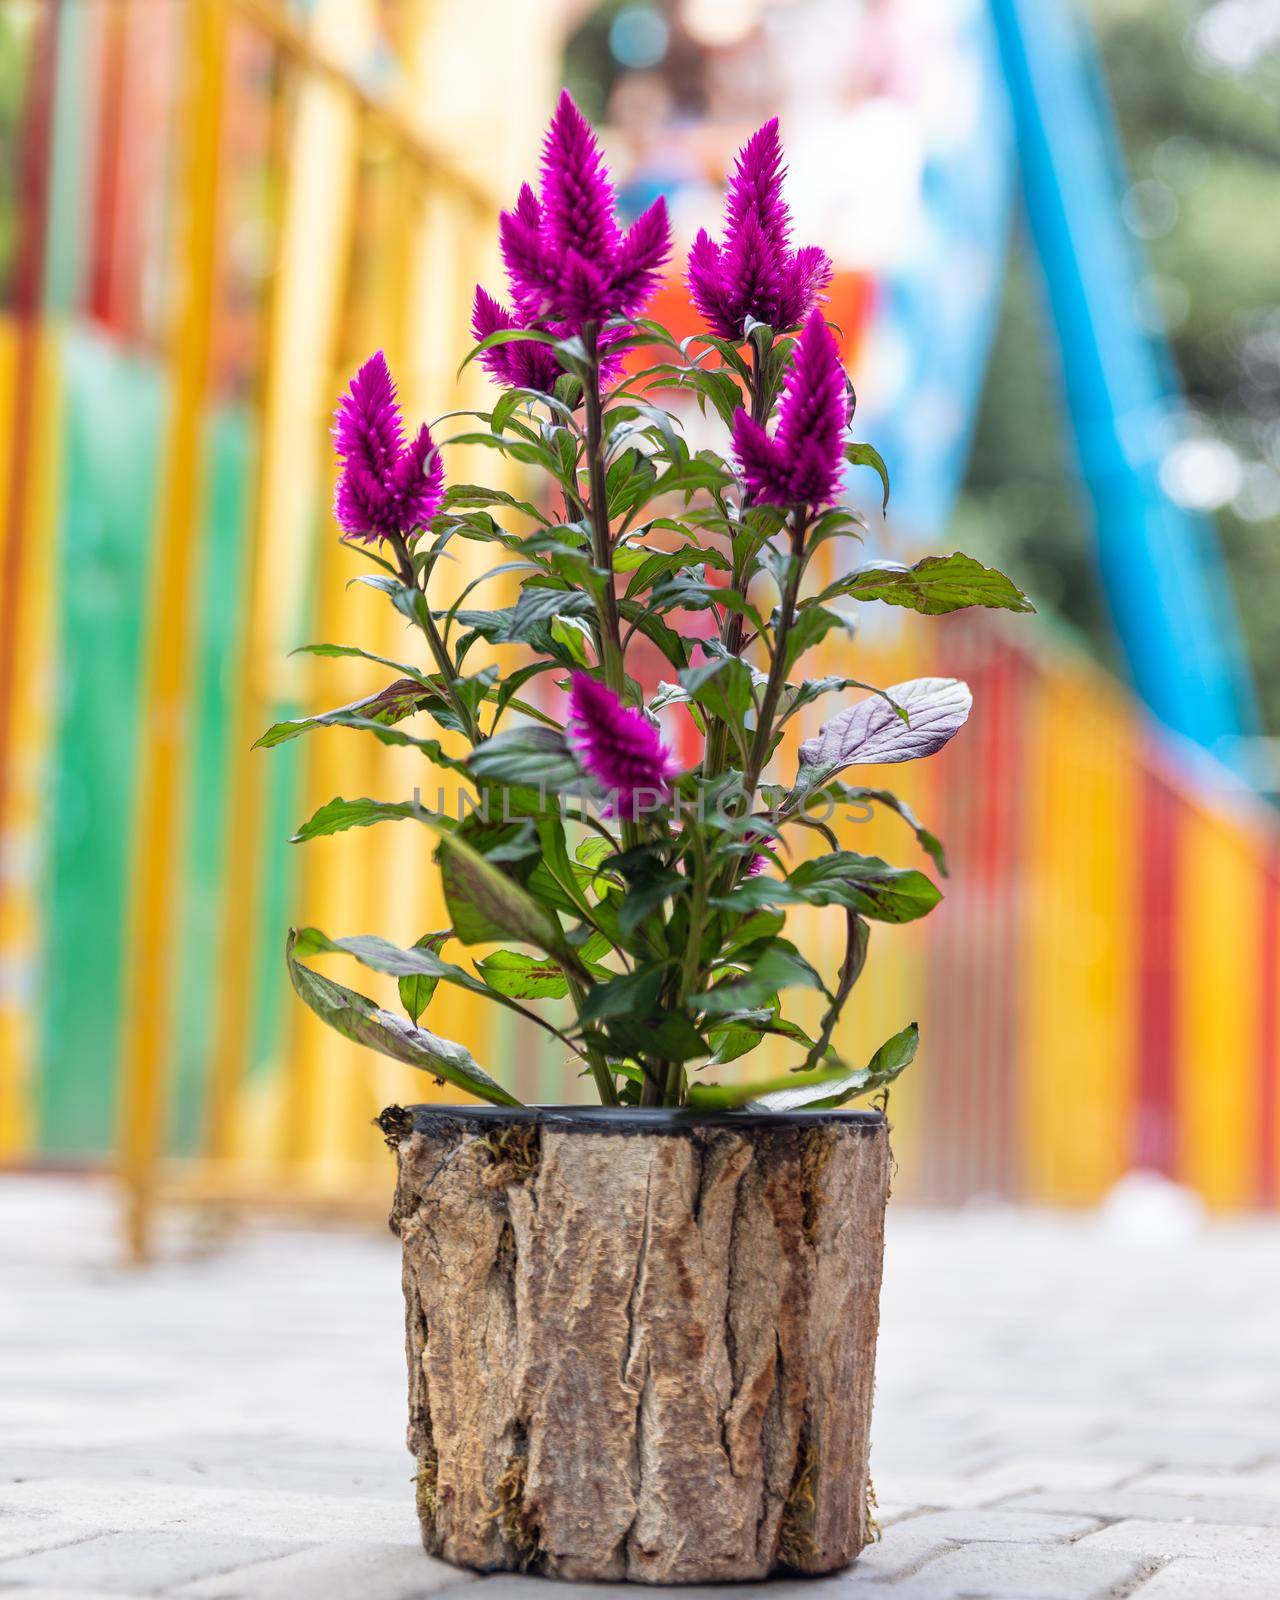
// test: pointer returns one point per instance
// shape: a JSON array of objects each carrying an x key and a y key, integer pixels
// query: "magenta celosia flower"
[
  {"x": 620, "y": 748},
  {"x": 567, "y": 260},
  {"x": 525, "y": 363},
  {"x": 386, "y": 486},
  {"x": 522, "y": 364},
  {"x": 755, "y": 272},
  {"x": 803, "y": 463},
  {"x": 760, "y": 861}
]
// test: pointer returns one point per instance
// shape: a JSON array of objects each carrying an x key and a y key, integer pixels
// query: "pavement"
[{"x": 1069, "y": 1407}]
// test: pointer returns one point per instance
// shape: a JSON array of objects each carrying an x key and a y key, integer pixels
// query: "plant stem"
[
  {"x": 654, "y": 1085},
  {"x": 734, "y": 622},
  {"x": 609, "y": 629},
  {"x": 611, "y": 661},
  {"x": 673, "y": 1089},
  {"x": 778, "y": 665},
  {"x": 855, "y": 956},
  {"x": 606, "y": 1087},
  {"x": 443, "y": 662}
]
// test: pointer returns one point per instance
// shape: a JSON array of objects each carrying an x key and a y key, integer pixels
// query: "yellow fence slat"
[
  {"x": 31, "y": 728},
  {"x": 163, "y": 724},
  {"x": 1220, "y": 936},
  {"x": 1077, "y": 1063}
]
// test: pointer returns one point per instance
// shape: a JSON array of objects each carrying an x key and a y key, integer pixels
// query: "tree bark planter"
[{"x": 641, "y": 1343}]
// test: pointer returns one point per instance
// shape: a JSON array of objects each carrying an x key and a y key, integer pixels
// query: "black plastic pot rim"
[{"x": 636, "y": 1119}]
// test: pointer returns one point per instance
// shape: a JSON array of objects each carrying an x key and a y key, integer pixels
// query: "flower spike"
[
  {"x": 386, "y": 487},
  {"x": 755, "y": 273},
  {"x": 568, "y": 262},
  {"x": 522, "y": 364},
  {"x": 803, "y": 463},
  {"x": 620, "y": 748},
  {"x": 577, "y": 200}
]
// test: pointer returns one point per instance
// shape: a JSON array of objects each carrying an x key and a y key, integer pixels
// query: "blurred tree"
[{"x": 1195, "y": 89}]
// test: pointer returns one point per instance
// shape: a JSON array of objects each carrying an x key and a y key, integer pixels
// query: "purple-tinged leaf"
[
  {"x": 873, "y": 732},
  {"x": 356, "y": 1017}
]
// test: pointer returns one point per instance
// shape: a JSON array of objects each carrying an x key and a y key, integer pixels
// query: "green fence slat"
[{"x": 111, "y": 425}]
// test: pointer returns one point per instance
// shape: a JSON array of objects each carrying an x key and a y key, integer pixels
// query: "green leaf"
[
  {"x": 354, "y": 652},
  {"x": 473, "y": 494},
  {"x": 505, "y": 336},
  {"x": 751, "y": 1096},
  {"x": 416, "y": 988},
  {"x": 511, "y": 685},
  {"x": 432, "y": 749},
  {"x": 705, "y": 470},
  {"x": 631, "y": 994},
  {"x": 629, "y": 481},
  {"x": 524, "y": 977},
  {"x": 928, "y": 842},
  {"x": 421, "y": 962},
  {"x": 866, "y": 455},
  {"x": 935, "y": 585},
  {"x": 646, "y": 895},
  {"x": 779, "y": 966},
  {"x": 667, "y": 1037},
  {"x": 474, "y": 690},
  {"x": 812, "y": 625},
  {"x": 554, "y": 881},
  {"x": 647, "y": 566},
  {"x": 722, "y": 685},
  {"x": 487, "y": 906},
  {"x": 535, "y": 756},
  {"x": 412, "y": 604},
  {"x": 538, "y": 605},
  {"x": 734, "y": 1039},
  {"x": 761, "y": 925},
  {"x": 672, "y": 644},
  {"x": 593, "y": 850},
  {"x": 572, "y": 635},
  {"x": 889, "y": 1061},
  {"x": 866, "y": 884},
  {"x": 356, "y": 1017},
  {"x": 390, "y": 705},
  {"x": 337, "y": 815},
  {"x": 532, "y": 455},
  {"x": 717, "y": 386},
  {"x": 530, "y": 619},
  {"x": 859, "y": 883}
]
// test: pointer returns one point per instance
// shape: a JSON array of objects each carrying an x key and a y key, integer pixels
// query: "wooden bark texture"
[{"x": 642, "y": 1355}]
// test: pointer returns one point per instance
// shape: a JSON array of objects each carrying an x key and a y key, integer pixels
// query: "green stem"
[
  {"x": 734, "y": 622},
  {"x": 611, "y": 661},
  {"x": 606, "y": 1087},
  {"x": 673, "y": 1089},
  {"x": 855, "y": 956},
  {"x": 609, "y": 627},
  {"x": 443, "y": 662},
  {"x": 655, "y": 1078},
  {"x": 759, "y": 753}
]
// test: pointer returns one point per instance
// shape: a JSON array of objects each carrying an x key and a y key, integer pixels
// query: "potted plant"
[{"x": 641, "y": 1336}]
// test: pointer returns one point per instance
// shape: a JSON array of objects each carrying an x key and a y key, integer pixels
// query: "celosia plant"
[{"x": 639, "y": 903}]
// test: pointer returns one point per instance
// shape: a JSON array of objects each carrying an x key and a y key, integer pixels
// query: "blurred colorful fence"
[{"x": 221, "y": 207}]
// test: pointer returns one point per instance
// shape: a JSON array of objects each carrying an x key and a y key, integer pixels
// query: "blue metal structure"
[{"x": 1161, "y": 566}]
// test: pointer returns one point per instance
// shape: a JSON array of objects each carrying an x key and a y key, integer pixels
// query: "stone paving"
[{"x": 1068, "y": 1408}]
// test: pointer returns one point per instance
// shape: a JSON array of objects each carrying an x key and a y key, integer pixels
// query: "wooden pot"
[{"x": 641, "y": 1343}]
